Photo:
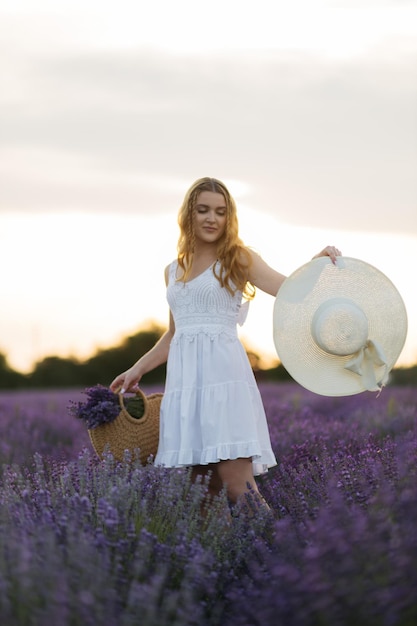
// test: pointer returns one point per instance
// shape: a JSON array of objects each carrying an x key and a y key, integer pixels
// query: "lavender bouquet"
[{"x": 102, "y": 407}]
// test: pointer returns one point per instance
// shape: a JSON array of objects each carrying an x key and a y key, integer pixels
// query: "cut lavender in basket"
[{"x": 102, "y": 407}]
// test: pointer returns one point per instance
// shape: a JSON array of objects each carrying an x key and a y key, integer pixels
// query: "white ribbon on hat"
[{"x": 365, "y": 361}]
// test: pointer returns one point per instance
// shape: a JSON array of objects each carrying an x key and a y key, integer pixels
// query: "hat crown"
[{"x": 339, "y": 327}]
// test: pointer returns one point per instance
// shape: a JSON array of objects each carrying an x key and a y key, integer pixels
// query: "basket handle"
[{"x": 138, "y": 392}]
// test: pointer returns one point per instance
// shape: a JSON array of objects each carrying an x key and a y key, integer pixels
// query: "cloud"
[{"x": 319, "y": 142}]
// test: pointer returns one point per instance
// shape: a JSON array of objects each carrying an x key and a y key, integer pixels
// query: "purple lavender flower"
[
  {"x": 86, "y": 540},
  {"x": 101, "y": 407}
]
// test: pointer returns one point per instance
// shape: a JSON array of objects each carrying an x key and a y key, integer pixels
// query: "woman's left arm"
[
  {"x": 263, "y": 276},
  {"x": 269, "y": 280}
]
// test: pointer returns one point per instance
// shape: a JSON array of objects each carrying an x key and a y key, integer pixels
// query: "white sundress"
[{"x": 212, "y": 409}]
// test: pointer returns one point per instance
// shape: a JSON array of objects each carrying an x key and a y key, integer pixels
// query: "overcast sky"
[{"x": 307, "y": 109}]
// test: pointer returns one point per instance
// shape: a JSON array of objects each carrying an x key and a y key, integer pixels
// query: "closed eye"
[{"x": 203, "y": 208}]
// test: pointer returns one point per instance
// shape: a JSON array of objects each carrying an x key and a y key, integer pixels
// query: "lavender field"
[{"x": 87, "y": 542}]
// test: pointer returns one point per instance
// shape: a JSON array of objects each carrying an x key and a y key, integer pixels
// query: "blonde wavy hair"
[{"x": 232, "y": 254}]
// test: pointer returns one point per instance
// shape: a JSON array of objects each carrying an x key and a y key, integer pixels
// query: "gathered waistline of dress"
[{"x": 211, "y": 330}]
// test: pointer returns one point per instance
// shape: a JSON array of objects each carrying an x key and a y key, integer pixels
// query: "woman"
[{"x": 212, "y": 416}]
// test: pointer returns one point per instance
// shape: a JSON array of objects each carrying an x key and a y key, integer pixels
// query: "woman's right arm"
[
  {"x": 149, "y": 361},
  {"x": 128, "y": 380}
]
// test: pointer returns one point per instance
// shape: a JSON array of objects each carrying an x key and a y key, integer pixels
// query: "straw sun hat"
[{"x": 339, "y": 329}]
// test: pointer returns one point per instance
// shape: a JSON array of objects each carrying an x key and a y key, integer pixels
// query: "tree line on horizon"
[{"x": 105, "y": 364}]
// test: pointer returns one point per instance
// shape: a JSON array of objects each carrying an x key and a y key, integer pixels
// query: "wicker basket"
[{"x": 130, "y": 433}]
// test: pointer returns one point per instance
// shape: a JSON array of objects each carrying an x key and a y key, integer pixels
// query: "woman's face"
[{"x": 210, "y": 216}]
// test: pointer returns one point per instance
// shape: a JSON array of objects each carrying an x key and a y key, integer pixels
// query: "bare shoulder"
[{"x": 263, "y": 275}]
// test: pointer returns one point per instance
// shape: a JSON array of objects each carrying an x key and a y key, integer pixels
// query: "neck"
[
  {"x": 203, "y": 257},
  {"x": 204, "y": 250}
]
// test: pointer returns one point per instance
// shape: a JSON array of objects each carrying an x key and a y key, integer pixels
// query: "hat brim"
[{"x": 298, "y": 299}]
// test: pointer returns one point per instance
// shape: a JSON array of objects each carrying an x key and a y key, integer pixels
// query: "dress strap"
[{"x": 173, "y": 270}]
